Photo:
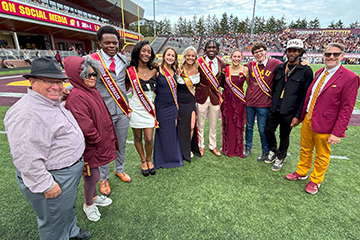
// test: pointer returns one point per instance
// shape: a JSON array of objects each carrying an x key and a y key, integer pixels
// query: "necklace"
[
  {"x": 142, "y": 72},
  {"x": 288, "y": 71}
]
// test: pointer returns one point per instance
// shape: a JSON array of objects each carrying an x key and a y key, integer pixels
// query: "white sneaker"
[
  {"x": 271, "y": 157},
  {"x": 92, "y": 212},
  {"x": 191, "y": 155},
  {"x": 102, "y": 201},
  {"x": 278, "y": 164}
]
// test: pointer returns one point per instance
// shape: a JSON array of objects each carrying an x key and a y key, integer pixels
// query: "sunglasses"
[
  {"x": 94, "y": 74},
  {"x": 328, "y": 54}
]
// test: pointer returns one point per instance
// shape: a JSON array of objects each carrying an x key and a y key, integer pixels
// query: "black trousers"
[
  {"x": 61, "y": 64},
  {"x": 273, "y": 120}
]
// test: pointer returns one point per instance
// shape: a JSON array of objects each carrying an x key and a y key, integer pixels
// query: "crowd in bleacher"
[{"x": 316, "y": 42}]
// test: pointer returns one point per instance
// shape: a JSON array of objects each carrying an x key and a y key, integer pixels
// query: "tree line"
[{"x": 230, "y": 24}]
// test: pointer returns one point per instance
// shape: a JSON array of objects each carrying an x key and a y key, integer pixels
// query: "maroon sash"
[
  {"x": 111, "y": 86},
  {"x": 210, "y": 76},
  {"x": 135, "y": 83},
  {"x": 235, "y": 89}
]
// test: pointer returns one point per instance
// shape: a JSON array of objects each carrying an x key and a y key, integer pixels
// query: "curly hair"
[
  {"x": 85, "y": 68},
  {"x": 107, "y": 29},
  {"x": 257, "y": 46},
  {"x": 214, "y": 42},
  {"x": 136, "y": 52}
]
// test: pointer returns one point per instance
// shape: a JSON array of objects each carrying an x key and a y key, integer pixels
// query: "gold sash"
[{"x": 262, "y": 84}]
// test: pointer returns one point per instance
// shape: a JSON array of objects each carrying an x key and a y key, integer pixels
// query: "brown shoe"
[
  {"x": 105, "y": 187},
  {"x": 201, "y": 150},
  {"x": 123, "y": 176},
  {"x": 215, "y": 152}
]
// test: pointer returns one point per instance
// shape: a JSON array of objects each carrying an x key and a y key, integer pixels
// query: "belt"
[{"x": 77, "y": 161}]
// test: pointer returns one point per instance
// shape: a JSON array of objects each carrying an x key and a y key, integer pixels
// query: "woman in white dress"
[
  {"x": 189, "y": 76},
  {"x": 141, "y": 121}
]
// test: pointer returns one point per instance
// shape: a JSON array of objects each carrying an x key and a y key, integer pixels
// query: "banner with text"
[{"x": 27, "y": 11}]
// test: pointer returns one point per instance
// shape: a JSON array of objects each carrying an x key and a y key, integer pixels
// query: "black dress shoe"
[
  {"x": 83, "y": 235},
  {"x": 152, "y": 171},
  {"x": 247, "y": 152},
  {"x": 145, "y": 172}
]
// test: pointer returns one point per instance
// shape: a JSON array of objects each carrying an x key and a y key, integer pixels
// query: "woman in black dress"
[{"x": 189, "y": 76}]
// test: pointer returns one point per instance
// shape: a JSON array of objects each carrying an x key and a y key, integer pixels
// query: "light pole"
[
  {"x": 252, "y": 22},
  {"x": 154, "y": 19}
]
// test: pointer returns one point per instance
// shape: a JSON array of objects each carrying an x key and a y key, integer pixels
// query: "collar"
[
  {"x": 334, "y": 69},
  {"x": 42, "y": 98},
  {"x": 207, "y": 59},
  {"x": 106, "y": 57},
  {"x": 283, "y": 65},
  {"x": 263, "y": 63}
]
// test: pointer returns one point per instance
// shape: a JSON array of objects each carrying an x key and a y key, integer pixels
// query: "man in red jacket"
[
  {"x": 207, "y": 95},
  {"x": 328, "y": 106}
]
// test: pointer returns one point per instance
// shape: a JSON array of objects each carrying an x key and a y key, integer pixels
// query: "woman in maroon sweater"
[{"x": 89, "y": 110}]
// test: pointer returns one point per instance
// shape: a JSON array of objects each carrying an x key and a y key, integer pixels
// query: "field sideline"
[{"x": 210, "y": 198}]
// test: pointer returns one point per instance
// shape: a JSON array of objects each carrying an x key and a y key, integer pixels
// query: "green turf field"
[{"x": 210, "y": 198}]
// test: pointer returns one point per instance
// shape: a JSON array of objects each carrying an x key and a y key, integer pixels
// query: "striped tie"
[{"x": 315, "y": 95}]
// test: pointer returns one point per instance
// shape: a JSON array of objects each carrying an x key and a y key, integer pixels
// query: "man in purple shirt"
[{"x": 47, "y": 144}]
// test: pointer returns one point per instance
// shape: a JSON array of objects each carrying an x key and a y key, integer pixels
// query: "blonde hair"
[{"x": 184, "y": 53}]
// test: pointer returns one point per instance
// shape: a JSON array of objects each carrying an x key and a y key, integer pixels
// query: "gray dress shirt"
[{"x": 43, "y": 136}]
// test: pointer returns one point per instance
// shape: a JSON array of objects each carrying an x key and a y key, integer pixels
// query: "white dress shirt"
[
  {"x": 214, "y": 65},
  {"x": 331, "y": 73}
]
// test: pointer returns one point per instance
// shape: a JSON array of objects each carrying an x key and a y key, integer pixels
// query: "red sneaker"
[
  {"x": 312, "y": 187},
  {"x": 295, "y": 176}
]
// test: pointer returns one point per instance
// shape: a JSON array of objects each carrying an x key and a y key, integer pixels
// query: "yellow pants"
[{"x": 308, "y": 141}]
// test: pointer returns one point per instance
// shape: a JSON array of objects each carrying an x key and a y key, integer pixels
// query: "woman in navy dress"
[{"x": 167, "y": 152}]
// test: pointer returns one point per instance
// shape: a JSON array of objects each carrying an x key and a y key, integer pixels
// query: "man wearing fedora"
[
  {"x": 290, "y": 83},
  {"x": 46, "y": 145}
]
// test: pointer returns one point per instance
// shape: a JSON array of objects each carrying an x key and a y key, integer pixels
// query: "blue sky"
[{"x": 324, "y": 10}]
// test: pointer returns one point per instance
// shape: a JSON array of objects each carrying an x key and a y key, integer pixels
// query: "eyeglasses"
[
  {"x": 93, "y": 74},
  {"x": 259, "y": 51},
  {"x": 328, "y": 54},
  {"x": 52, "y": 82}
]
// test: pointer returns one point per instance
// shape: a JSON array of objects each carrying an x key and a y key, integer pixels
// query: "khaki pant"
[
  {"x": 308, "y": 141},
  {"x": 213, "y": 117}
]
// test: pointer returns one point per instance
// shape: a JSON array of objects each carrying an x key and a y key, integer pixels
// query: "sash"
[
  {"x": 262, "y": 84},
  {"x": 188, "y": 82},
  {"x": 235, "y": 89},
  {"x": 135, "y": 83},
  {"x": 210, "y": 76},
  {"x": 172, "y": 85},
  {"x": 111, "y": 86}
]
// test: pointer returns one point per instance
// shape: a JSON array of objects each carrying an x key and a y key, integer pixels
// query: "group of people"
[{"x": 82, "y": 136}]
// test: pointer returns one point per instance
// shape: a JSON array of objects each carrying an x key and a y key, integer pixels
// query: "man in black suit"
[{"x": 291, "y": 82}]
